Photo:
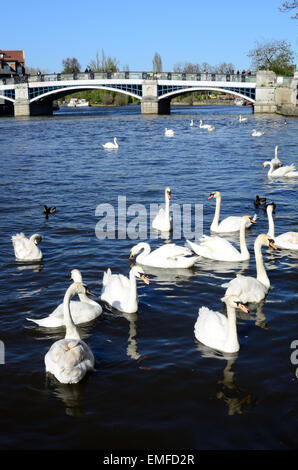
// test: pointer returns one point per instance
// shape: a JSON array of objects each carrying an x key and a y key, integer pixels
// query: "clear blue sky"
[{"x": 132, "y": 31}]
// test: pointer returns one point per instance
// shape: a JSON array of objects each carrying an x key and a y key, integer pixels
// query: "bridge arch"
[
  {"x": 182, "y": 91},
  {"x": 7, "y": 98},
  {"x": 60, "y": 92}
]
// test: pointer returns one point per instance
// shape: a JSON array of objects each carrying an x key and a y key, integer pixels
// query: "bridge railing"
[
  {"x": 127, "y": 75},
  {"x": 204, "y": 76}
]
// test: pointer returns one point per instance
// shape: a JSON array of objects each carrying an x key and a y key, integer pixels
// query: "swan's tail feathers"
[
  {"x": 225, "y": 285},
  {"x": 18, "y": 236},
  {"x": 254, "y": 217},
  {"x": 38, "y": 322},
  {"x": 106, "y": 276}
]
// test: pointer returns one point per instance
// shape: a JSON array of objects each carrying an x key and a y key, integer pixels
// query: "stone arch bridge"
[{"x": 34, "y": 95}]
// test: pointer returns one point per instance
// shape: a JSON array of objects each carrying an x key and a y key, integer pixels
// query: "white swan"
[
  {"x": 111, "y": 145},
  {"x": 229, "y": 224},
  {"x": 26, "y": 249},
  {"x": 169, "y": 132},
  {"x": 276, "y": 161},
  {"x": 163, "y": 221},
  {"x": 206, "y": 126},
  {"x": 69, "y": 359},
  {"x": 242, "y": 119},
  {"x": 217, "y": 330},
  {"x": 251, "y": 289},
  {"x": 166, "y": 256},
  {"x": 220, "y": 249},
  {"x": 82, "y": 312},
  {"x": 287, "y": 240},
  {"x": 288, "y": 171},
  {"x": 191, "y": 123},
  {"x": 120, "y": 292},
  {"x": 256, "y": 133}
]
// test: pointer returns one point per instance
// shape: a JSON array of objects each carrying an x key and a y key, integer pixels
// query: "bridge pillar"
[
  {"x": 265, "y": 92},
  {"x": 22, "y": 104},
  {"x": 150, "y": 103}
]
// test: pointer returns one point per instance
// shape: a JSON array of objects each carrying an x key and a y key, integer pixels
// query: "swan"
[
  {"x": 242, "y": 119},
  {"x": 259, "y": 201},
  {"x": 191, "y": 123},
  {"x": 111, "y": 145},
  {"x": 256, "y": 133},
  {"x": 49, "y": 210},
  {"x": 251, "y": 289},
  {"x": 163, "y": 221},
  {"x": 217, "y": 330},
  {"x": 287, "y": 240},
  {"x": 276, "y": 161},
  {"x": 69, "y": 359},
  {"x": 120, "y": 292},
  {"x": 229, "y": 224},
  {"x": 220, "y": 249},
  {"x": 206, "y": 126},
  {"x": 288, "y": 171},
  {"x": 169, "y": 132},
  {"x": 26, "y": 249},
  {"x": 166, "y": 256},
  {"x": 82, "y": 312}
]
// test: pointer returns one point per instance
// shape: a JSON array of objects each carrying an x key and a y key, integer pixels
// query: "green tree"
[
  {"x": 70, "y": 65},
  {"x": 275, "y": 55}
]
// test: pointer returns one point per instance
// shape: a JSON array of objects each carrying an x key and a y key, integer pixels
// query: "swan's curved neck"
[
  {"x": 232, "y": 337},
  {"x": 271, "y": 223},
  {"x": 243, "y": 248},
  {"x": 146, "y": 250},
  {"x": 271, "y": 168},
  {"x": 261, "y": 272},
  {"x": 71, "y": 330},
  {"x": 215, "y": 221}
]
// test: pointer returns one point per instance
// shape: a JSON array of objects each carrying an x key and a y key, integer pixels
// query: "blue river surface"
[{"x": 154, "y": 385}]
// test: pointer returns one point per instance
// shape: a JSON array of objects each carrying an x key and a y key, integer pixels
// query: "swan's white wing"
[
  {"x": 210, "y": 328},
  {"x": 216, "y": 248},
  {"x": 283, "y": 170},
  {"x": 247, "y": 289},
  {"x": 288, "y": 241},
  {"x": 162, "y": 221},
  {"x": 116, "y": 290},
  {"x": 21, "y": 245},
  {"x": 171, "y": 250},
  {"x": 69, "y": 360},
  {"x": 81, "y": 312}
]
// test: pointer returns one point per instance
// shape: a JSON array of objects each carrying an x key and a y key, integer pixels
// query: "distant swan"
[
  {"x": 288, "y": 171},
  {"x": 25, "y": 249},
  {"x": 191, "y": 123},
  {"x": 287, "y": 240},
  {"x": 69, "y": 359},
  {"x": 242, "y": 119},
  {"x": 168, "y": 255},
  {"x": 206, "y": 126},
  {"x": 163, "y": 221},
  {"x": 220, "y": 249},
  {"x": 169, "y": 132},
  {"x": 120, "y": 292},
  {"x": 276, "y": 161},
  {"x": 218, "y": 331},
  {"x": 251, "y": 289},
  {"x": 229, "y": 224},
  {"x": 111, "y": 145},
  {"x": 82, "y": 311},
  {"x": 256, "y": 133}
]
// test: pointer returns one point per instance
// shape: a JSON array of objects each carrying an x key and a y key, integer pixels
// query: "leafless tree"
[{"x": 292, "y": 5}]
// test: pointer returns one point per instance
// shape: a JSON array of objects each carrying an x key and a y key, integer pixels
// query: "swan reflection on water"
[
  {"x": 35, "y": 267},
  {"x": 235, "y": 397},
  {"x": 71, "y": 395}
]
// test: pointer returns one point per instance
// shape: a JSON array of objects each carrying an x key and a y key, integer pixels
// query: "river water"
[{"x": 154, "y": 386}]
